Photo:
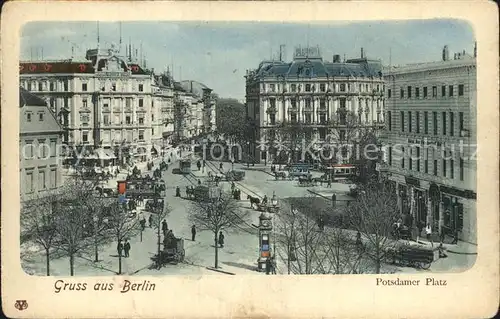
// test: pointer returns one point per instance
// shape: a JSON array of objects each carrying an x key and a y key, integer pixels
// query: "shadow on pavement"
[{"x": 240, "y": 265}]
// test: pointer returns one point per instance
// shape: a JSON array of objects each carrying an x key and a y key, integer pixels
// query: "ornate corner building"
[
  {"x": 315, "y": 93},
  {"x": 430, "y": 142}
]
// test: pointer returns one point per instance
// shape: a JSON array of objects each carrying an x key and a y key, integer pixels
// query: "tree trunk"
[
  {"x": 377, "y": 262},
  {"x": 71, "y": 264},
  {"x": 216, "y": 252},
  {"x": 47, "y": 260},
  {"x": 119, "y": 264}
]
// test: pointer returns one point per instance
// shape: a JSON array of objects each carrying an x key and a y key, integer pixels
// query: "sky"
[{"x": 219, "y": 53}]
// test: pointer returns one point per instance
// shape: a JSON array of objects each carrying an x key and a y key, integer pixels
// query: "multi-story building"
[
  {"x": 104, "y": 101},
  {"x": 162, "y": 110},
  {"x": 430, "y": 142},
  {"x": 318, "y": 94},
  {"x": 39, "y": 143}
]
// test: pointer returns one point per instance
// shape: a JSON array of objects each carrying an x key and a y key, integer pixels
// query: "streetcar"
[
  {"x": 340, "y": 172},
  {"x": 185, "y": 166}
]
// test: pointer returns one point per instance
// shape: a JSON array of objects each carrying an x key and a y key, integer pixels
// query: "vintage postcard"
[{"x": 250, "y": 159}]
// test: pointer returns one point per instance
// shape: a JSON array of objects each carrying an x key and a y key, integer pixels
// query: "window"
[
  {"x": 84, "y": 118},
  {"x": 342, "y": 87},
  {"x": 409, "y": 92},
  {"x": 322, "y": 118},
  {"x": 127, "y": 119},
  {"x": 84, "y": 104},
  {"x": 410, "y": 159},
  {"x": 117, "y": 118},
  {"x": 409, "y": 121},
  {"x": 435, "y": 167},
  {"x": 152, "y": 117},
  {"x": 418, "y": 159},
  {"x": 106, "y": 119},
  {"x": 444, "y": 167},
  {"x": 141, "y": 120},
  {"x": 417, "y": 92},
  {"x": 128, "y": 102},
  {"x": 28, "y": 117},
  {"x": 40, "y": 117},
  {"x": 105, "y": 106},
  {"x": 51, "y": 86},
  {"x": 85, "y": 136},
  {"x": 66, "y": 102},
  {"x": 141, "y": 87},
  {"x": 29, "y": 86},
  {"x": 294, "y": 87},
  {"x": 389, "y": 93},
  {"x": 426, "y": 162},
  {"x": 42, "y": 147},
  {"x": 141, "y": 102},
  {"x": 435, "y": 122},
  {"x": 308, "y": 118},
  {"x": 460, "y": 90},
  {"x": 41, "y": 179},
  {"x": 322, "y": 87},
  {"x": 390, "y": 155},
  {"x": 434, "y": 91},
  {"x": 53, "y": 148},
  {"x": 141, "y": 135},
  {"x": 461, "y": 122},
  {"x": 66, "y": 84},
  {"x": 308, "y": 103},
  {"x": 452, "y": 124},
  {"x": 452, "y": 173},
  {"x": 308, "y": 87},
  {"x": 425, "y": 91},
  {"x": 443, "y": 90},
  {"x": 322, "y": 104},
  {"x": 389, "y": 120},
  {"x": 461, "y": 163},
  {"x": 293, "y": 117},
  {"x": 402, "y": 157},
  {"x": 29, "y": 182},
  {"x": 450, "y": 90},
  {"x": 417, "y": 114},
  {"x": 53, "y": 178},
  {"x": 272, "y": 118},
  {"x": 443, "y": 119},
  {"x": 293, "y": 103},
  {"x": 402, "y": 93},
  {"x": 29, "y": 150},
  {"x": 342, "y": 135},
  {"x": 272, "y": 87},
  {"x": 113, "y": 86},
  {"x": 84, "y": 87},
  {"x": 402, "y": 119},
  {"x": 40, "y": 86},
  {"x": 52, "y": 103}
]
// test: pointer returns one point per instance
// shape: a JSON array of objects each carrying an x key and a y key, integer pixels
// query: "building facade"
[
  {"x": 162, "y": 110},
  {"x": 40, "y": 139},
  {"x": 319, "y": 95},
  {"x": 430, "y": 139},
  {"x": 104, "y": 101}
]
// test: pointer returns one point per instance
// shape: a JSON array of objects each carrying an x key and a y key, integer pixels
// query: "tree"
[
  {"x": 216, "y": 215},
  {"x": 291, "y": 136},
  {"x": 121, "y": 226},
  {"x": 230, "y": 119},
  {"x": 38, "y": 224},
  {"x": 161, "y": 210},
  {"x": 373, "y": 214}
]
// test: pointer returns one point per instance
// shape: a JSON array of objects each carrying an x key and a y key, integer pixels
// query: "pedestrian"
[
  {"x": 268, "y": 266},
  {"x": 329, "y": 183},
  {"x": 150, "y": 220},
  {"x": 119, "y": 248},
  {"x": 177, "y": 191},
  {"x": 143, "y": 223},
  {"x": 221, "y": 239},
  {"x": 420, "y": 226},
  {"x": 193, "y": 233},
  {"x": 220, "y": 166},
  {"x": 198, "y": 164},
  {"x": 126, "y": 248},
  {"x": 334, "y": 200},
  {"x": 428, "y": 233},
  {"x": 199, "y": 182},
  {"x": 164, "y": 227}
]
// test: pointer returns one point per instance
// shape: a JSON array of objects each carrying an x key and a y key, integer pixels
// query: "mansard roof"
[
  {"x": 319, "y": 68},
  {"x": 69, "y": 66},
  {"x": 27, "y": 98}
]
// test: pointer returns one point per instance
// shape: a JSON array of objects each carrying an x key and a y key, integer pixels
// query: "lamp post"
[{"x": 248, "y": 154}]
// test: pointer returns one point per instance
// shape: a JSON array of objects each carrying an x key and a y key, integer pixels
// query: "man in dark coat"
[
  {"x": 220, "y": 166},
  {"x": 193, "y": 233},
  {"x": 177, "y": 191},
  {"x": 221, "y": 239},
  {"x": 119, "y": 248},
  {"x": 150, "y": 219},
  {"x": 164, "y": 227},
  {"x": 198, "y": 164},
  {"x": 143, "y": 223},
  {"x": 126, "y": 248}
]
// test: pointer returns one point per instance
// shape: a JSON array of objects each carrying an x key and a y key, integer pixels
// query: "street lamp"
[{"x": 248, "y": 154}]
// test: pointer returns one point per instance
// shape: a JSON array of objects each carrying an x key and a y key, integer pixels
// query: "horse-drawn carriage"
[
  {"x": 407, "y": 255},
  {"x": 235, "y": 176},
  {"x": 307, "y": 181},
  {"x": 173, "y": 251},
  {"x": 281, "y": 175}
]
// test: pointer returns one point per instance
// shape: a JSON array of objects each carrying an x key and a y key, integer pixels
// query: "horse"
[{"x": 253, "y": 200}]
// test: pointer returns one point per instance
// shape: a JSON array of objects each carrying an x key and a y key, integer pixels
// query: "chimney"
[
  {"x": 362, "y": 53},
  {"x": 446, "y": 53},
  {"x": 475, "y": 49},
  {"x": 336, "y": 58}
]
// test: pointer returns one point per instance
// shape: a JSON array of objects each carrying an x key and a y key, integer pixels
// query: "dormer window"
[
  {"x": 113, "y": 87},
  {"x": 308, "y": 87},
  {"x": 40, "y": 116},
  {"x": 28, "y": 117}
]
